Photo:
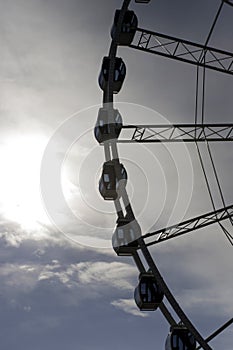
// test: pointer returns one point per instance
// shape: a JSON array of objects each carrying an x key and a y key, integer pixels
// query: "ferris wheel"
[{"x": 128, "y": 239}]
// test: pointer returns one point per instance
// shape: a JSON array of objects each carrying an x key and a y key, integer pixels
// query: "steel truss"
[
  {"x": 190, "y": 225},
  {"x": 183, "y": 50},
  {"x": 208, "y": 57},
  {"x": 177, "y": 133}
]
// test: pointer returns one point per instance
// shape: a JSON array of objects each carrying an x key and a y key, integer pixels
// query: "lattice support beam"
[
  {"x": 176, "y": 133},
  {"x": 188, "y": 225},
  {"x": 183, "y": 50}
]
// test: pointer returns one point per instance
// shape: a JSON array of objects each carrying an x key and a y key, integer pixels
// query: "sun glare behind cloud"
[{"x": 20, "y": 199}]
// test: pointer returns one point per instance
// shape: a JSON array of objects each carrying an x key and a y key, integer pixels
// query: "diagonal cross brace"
[
  {"x": 183, "y": 50},
  {"x": 178, "y": 133},
  {"x": 189, "y": 225}
]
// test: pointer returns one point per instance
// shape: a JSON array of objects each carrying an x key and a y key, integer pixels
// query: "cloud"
[
  {"x": 37, "y": 284},
  {"x": 12, "y": 234},
  {"x": 97, "y": 275},
  {"x": 115, "y": 274},
  {"x": 129, "y": 306},
  {"x": 18, "y": 278},
  {"x": 84, "y": 280}
]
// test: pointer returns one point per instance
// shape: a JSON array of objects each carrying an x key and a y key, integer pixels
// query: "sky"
[{"x": 62, "y": 286}]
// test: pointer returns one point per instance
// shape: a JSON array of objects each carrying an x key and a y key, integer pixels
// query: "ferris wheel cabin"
[
  {"x": 180, "y": 338},
  {"x": 113, "y": 180},
  {"x": 128, "y": 28},
  {"x": 124, "y": 239},
  {"x": 148, "y": 295},
  {"x": 119, "y": 74},
  {"x": 104, "y": 130}
]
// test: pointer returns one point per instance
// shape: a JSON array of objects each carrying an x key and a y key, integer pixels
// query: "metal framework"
[
  {"x": 229, "y": 2},
  {"x": 183, "y": 50},
  {"x": 199, "y": 55},
  {"x": 218, "y": 331},
  {"x": 189, "y": 225},
  {"x": 177, "y": 133}
]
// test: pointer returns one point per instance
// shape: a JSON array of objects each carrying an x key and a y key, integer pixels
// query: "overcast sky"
[{"x": 62, "y": 287}]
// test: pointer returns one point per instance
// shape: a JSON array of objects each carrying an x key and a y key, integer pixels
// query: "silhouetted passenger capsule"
[
  {"x": 128, "y": 28},
  {"x": 118, "y": 76},
  {"x": 112, "y": 180},
  {"x": 148, "y": 295},
  {"x": 180, "y": 338},
  {"x": 103, "y": 129},
  {"x": 142, "y": 1},
  {"x": 124, "y": 239}
]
